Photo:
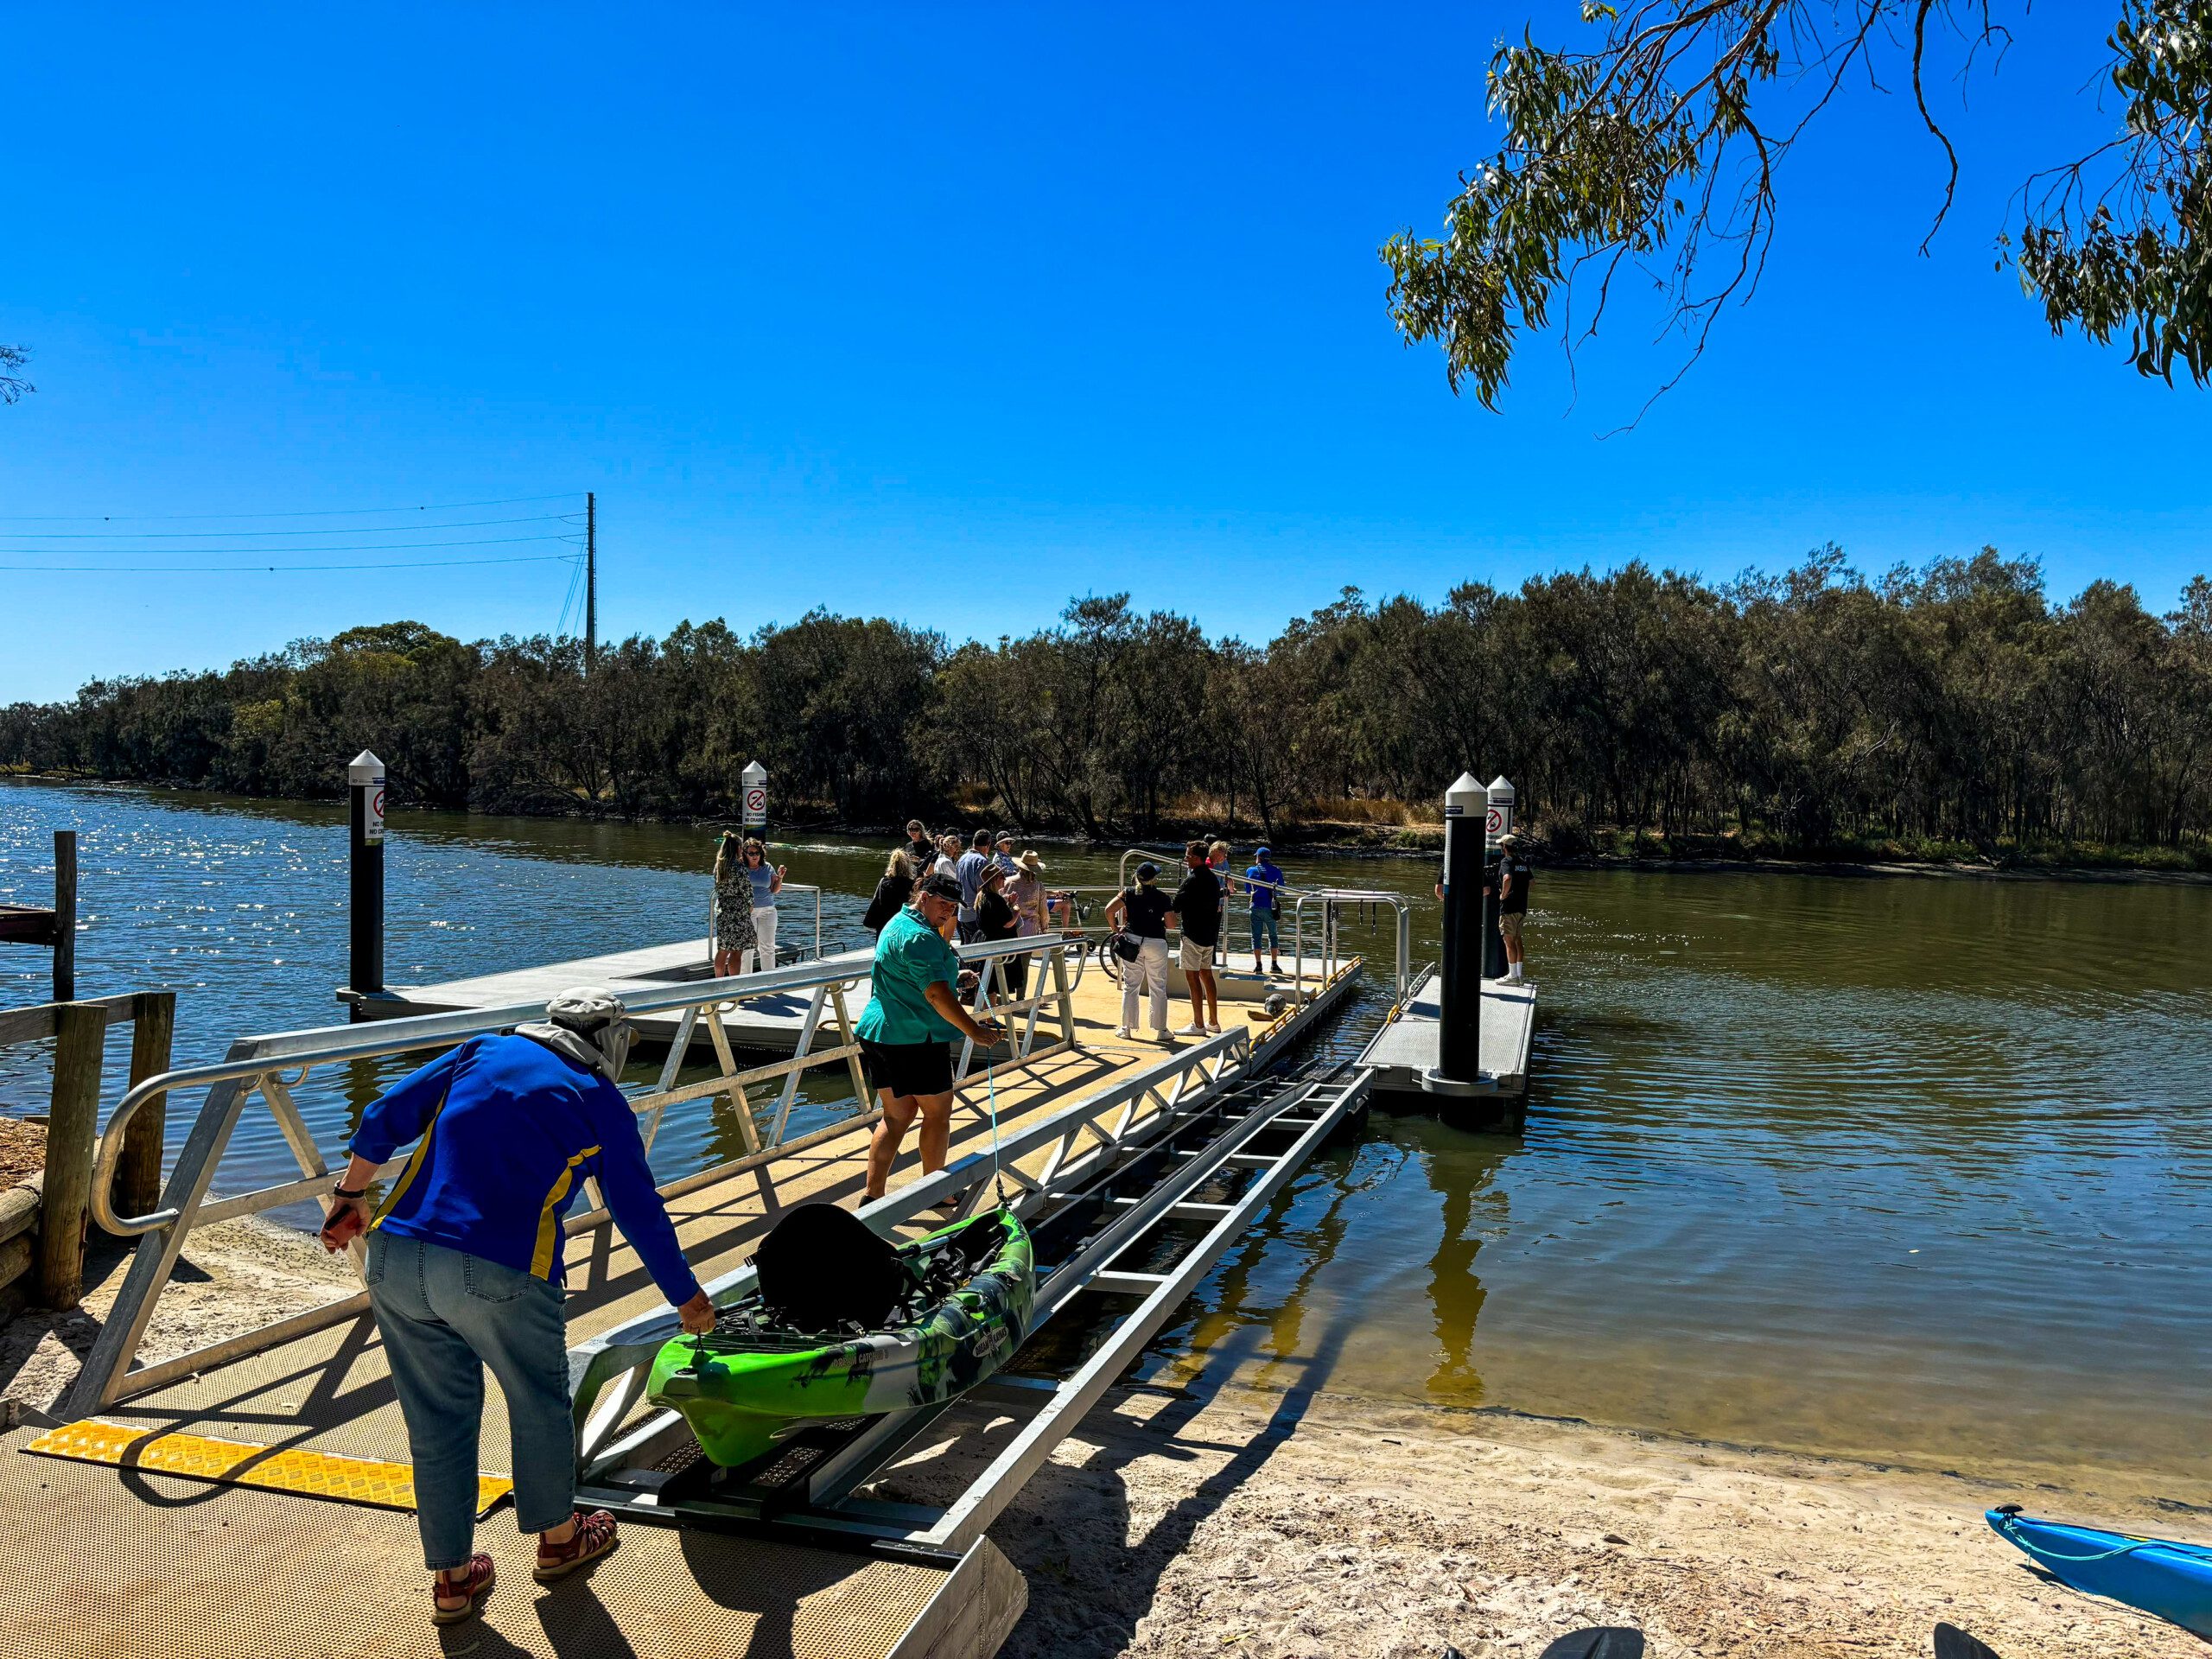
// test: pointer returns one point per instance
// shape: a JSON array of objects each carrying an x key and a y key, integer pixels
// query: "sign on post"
[
  {"x": 373, "y": 825},
  {"x": 754, "y": 780},
  {"x": 1498, "y": 822}
]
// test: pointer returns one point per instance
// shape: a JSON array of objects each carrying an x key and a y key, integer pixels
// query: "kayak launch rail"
[{"x": 1256, "y": 1134}]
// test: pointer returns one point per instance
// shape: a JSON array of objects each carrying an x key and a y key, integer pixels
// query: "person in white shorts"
[{"x": 1197, "y": 910}]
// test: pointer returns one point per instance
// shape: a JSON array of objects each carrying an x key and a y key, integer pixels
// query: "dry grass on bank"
[{"x": 22, "y": 1148}]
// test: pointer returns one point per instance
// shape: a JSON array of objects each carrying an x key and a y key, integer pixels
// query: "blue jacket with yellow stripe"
[{"x": 510, "y": 1129}]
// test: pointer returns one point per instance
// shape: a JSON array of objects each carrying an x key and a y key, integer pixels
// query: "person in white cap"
[{"x": 464, "y": 1267}]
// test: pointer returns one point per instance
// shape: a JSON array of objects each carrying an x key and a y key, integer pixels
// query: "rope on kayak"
[
  {"x": 2012, "y": 1535},
  {"x": 991, "y": 1093}
]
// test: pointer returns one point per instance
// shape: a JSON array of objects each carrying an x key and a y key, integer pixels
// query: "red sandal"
[
  {"x": 593, "y": 1537},
  {"x": 475, "y": 1586}
]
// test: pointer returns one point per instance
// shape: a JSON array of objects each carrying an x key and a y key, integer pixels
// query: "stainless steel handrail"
[
  {"x": 1331, "y": 897},
  {"x": 260, "y": 1063},
  {"x": 327, "y": 1045}
]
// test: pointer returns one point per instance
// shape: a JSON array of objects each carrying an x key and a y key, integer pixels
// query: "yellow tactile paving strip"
[
  {"x": 237, "y": 1463},
  {"x": 152, "y": 1567}
]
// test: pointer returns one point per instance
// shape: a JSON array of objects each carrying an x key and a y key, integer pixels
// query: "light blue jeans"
[
  {"x": 1263, "y": 922},
  {"x": 446, "y": 1315}
]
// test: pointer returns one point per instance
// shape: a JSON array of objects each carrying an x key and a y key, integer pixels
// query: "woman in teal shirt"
[{"x": 912, "y": 1014}]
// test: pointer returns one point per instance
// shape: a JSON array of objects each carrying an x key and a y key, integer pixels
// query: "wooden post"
[
  {"x": 80, "y": 1033},
  {"x": 138, "y": 1166},
  {"x": 65, "y": 915}
]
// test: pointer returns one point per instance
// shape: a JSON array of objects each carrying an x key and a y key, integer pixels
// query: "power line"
[
  {"x": 569, "y": 599},
  {"x": 200, "y": 569},
  {"x": 323, "y": 513},
  {"x": 335, "y": 530},
  {"x": 365, "y": 547}
]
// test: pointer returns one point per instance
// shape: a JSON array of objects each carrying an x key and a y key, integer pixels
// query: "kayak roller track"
[{"x": 1240, "y": 1144}]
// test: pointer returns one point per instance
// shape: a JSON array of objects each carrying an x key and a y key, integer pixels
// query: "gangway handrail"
[
  {"x": 1332, "y": 897},
  {"x": 259, "y": 1063},
  {"x": 277, "y": 1050}
]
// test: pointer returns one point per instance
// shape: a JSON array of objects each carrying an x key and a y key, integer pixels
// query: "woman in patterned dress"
[{"x": 734, "y": 934}]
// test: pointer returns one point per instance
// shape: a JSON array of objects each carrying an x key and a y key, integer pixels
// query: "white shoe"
[
  {"x": 1194, "y": 1029},
  {"x": 1213, "y": 1031},
  {"x": 1161, "y": 1035},
  {"x": 1126, "y": 1035}
]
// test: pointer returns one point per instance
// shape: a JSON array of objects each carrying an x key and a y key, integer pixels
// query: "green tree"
[{"x": 1653, "y": 142}]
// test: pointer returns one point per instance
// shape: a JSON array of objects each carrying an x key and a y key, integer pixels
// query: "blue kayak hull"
[{"x": 2173, "y": 1580}]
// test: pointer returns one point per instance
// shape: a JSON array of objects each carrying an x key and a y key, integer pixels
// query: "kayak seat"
[{"x": 821, "y": 1269}]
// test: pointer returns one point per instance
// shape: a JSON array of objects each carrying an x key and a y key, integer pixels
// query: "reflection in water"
[
  {"x": 1454, "y": 1290},
  {"x": 1901, "y": 1167}
]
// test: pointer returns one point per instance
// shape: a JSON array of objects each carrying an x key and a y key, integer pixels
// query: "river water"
[{"x": 1908, "y": 1168}]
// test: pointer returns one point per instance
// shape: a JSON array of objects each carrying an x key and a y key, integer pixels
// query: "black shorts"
[{"x": 908, "y": 1068}]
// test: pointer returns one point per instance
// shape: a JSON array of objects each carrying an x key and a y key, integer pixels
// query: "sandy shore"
[
  {"x": 1268, "y": 1526},
  {"x": 1261, "y": 1525},
  {"x": 234, "y": 1276}
]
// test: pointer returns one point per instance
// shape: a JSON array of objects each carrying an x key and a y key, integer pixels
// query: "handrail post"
[
  {"x": 71, "y": 1127},
  {"x": 101, "y": 1378},
  {"x": 847, "y": 1037},
  {"x": 138, "y": 1168},
  {"x": 1064, "y": 993}
]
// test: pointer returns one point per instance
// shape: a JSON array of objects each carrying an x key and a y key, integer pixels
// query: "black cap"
[
  {"x": 1148, "y": 872},
  {"x": 939, "y": 885}
]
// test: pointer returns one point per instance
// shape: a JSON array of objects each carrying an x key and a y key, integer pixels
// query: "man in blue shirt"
[
  {"x": 464, "y": 1267},
  {"x": 913, "y": 1012},
  {"x": 970, "y": 872},
  {"x": 1266, "y": 883}
]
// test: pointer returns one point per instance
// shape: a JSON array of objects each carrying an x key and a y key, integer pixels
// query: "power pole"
[{"x": 591, "y": 580}]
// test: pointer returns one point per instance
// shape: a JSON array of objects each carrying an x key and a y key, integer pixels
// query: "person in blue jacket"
[{"x": 464, "y": 1268}]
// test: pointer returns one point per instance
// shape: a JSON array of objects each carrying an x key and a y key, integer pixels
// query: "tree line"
[{"x": 1807, "y": 711}]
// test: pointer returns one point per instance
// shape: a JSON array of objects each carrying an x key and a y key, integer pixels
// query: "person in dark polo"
[{"x": 1514, "y": 876}]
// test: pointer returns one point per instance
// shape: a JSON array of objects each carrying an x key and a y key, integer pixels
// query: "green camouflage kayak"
[{"x": 846, "y": 1324}]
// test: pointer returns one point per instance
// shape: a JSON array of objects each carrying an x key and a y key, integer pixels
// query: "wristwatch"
[{"x": 341, "y": 1192}]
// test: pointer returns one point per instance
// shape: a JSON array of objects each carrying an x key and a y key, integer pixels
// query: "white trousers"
[
  {"x": 1148, "y": 973},
  {"x": 764, "y": 926}
]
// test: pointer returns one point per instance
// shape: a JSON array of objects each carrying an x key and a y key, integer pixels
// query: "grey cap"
[{"x": 586, "y": 1008}]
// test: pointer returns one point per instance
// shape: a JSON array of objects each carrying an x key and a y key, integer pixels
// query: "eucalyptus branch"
[{"x": 1664, "y": 143}]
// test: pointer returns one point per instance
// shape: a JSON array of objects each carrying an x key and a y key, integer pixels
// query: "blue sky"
[{"x": 950, "y": 314}]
